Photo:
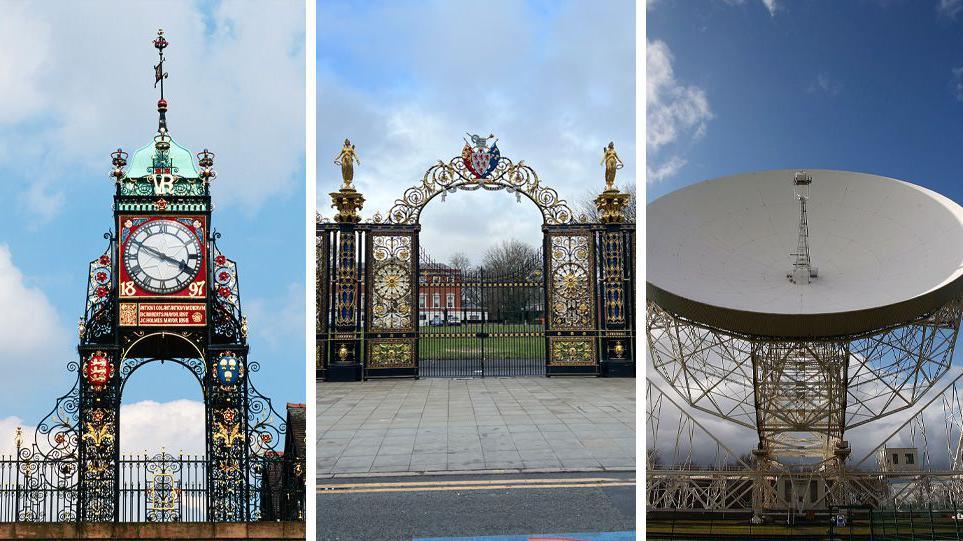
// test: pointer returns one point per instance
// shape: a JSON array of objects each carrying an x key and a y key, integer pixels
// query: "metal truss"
[
  {"x": 800, "y": 396},
  {"x": 680, "y": 474}
]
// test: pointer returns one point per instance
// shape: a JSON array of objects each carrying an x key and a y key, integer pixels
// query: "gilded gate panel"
[
  {"x": 571, "y": 298},
  {"x": 391, "y": 353},
  {"x": 571, "y": 293},
  {"x": 392, "y": 283},
  {"x": 391, "y": 289}
]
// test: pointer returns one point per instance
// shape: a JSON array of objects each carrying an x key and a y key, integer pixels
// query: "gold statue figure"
[
  {"x": 612, "y": 164},
  {"x": 346, "y": 159}
]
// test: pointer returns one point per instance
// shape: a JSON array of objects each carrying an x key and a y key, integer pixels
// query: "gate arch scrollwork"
[{"x": 443, "y": 177}]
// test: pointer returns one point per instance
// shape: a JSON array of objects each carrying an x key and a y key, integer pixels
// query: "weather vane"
[{"x": 159, "y": 75}]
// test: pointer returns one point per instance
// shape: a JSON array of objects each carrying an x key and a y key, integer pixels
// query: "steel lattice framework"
[{"x": 802, "y": 395}]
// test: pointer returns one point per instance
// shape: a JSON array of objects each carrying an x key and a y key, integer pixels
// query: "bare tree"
[
  {"x": 460, "y": 261},
  {"x": 513, "y": 262},
  {"x": 512, "y": 257},
  {"x": 587, "y": 205}
]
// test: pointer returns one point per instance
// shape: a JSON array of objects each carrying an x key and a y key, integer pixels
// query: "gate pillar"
[
  {"x": 98, "y": 446},
  {"x": 616, "y": 269},
  {"x": 344, "y": 356}
]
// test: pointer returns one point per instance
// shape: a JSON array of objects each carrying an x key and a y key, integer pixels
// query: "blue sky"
[
  {"x": 73, "y": 93},
  {"x": 860, "y": 85},
  {"x": 405, "y": 80}
]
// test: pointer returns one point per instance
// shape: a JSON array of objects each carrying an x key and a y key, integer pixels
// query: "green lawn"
[{"x": 460, "y": 342}]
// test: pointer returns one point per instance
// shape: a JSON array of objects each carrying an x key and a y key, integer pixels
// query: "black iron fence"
[
  {"x": 158, "y": 488},
  {"x": 481, "y": 321}
]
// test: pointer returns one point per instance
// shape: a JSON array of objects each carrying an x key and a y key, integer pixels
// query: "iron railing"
[
  {"x": 158, "y": 488},
  {"x": 837, "y": 524}
]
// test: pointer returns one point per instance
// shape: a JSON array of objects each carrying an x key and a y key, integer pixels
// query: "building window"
[
  {"x": 436, "y": 300},
  {"x": 450, "y": 300},
  {"x": 895, "y": 458},
  {"x": 909, "y": 458},
  {"x": 421, "y": 300}
]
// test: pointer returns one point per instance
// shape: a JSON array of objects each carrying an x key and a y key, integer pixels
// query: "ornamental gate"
[
  {"x": 163, "y": 291},
  {"x": 386, "y": 309},
  {"x": 481, "y": 321}
]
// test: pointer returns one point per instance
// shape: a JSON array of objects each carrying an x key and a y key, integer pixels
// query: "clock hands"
[{"x": 153, "y": 251}]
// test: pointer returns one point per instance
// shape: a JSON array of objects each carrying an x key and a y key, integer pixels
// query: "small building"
[
  {"x": 899, "y": 459},
  {"x": 283, "y": 474},
  {"x": 442, "y": 299}
]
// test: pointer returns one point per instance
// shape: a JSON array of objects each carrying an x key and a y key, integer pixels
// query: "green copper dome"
[{"x": 178, "y": 158}]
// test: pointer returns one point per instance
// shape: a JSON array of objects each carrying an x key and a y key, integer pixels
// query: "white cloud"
[
  {"x": 81, "y": 92},
  {"x": 770, "y": 5},
  {"x": 675, "y": 111},
  {"x": 176, "y": 426},
  {"x": 150, "y": 426},
  {"x": 824, "y": 84},
  {"x": 19, "y": 71},
  {"x": 553, "y": 94},
  {"x": 42, "y": 203},
  {"x": 31, "y": 333},
  {"x": 8, "y": 432},
  {"x": 280, "y": 320},
  {"x": 949, "y": 8},
  {"x": 664, "y": 170},
  {"x": 958, "y": 82}
]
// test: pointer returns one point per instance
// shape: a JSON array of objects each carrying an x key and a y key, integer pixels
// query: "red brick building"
[{"x": 440, "y": 294}]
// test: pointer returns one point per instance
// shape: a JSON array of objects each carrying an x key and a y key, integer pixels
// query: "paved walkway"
[{"x": 434, "y": 425}]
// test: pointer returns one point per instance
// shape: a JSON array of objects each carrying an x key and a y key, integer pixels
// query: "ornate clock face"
[{"x": 163, "y": 256}]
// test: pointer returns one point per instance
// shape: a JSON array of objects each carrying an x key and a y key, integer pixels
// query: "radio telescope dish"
[
  {"x": 742, "y": 326},
  {"x": 887, "y": 252}
]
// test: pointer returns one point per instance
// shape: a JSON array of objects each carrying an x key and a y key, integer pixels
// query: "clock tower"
[{"x": 163, "y": 291}]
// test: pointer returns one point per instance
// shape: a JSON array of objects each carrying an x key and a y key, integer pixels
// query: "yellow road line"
[
  {"x": 332, "y": 489},
  {"x": 478, "y": 482}
]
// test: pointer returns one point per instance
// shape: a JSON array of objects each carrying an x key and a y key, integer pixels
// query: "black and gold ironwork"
[
  {"x": 390, "y": 292},
  {"x": 73, "y": 470},
  {"x": 571, "y": 292},
  {"x": 571, "y": 314},
  {"x": 477, "y": 321},
  {"x": 443, "y": 178}
]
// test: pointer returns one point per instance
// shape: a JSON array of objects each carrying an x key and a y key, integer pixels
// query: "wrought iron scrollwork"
[
  {"x": 572, "y": 299},
  {"x": 163, "y": 488},
  {"x": 196, "y": 366},
  {"x": 229, "y": 325},
  {"x": 506, "y": 175},
  {"x": 98, "y": 321},
  {"x": 266, "y": 434},
  {"x": 392, "y": 284}
]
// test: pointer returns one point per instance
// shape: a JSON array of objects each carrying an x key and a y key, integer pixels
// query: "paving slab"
[{"x": 522, "y": 424}]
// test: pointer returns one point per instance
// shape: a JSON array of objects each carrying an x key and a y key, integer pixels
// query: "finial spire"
[{"x": 159, "y": 75}]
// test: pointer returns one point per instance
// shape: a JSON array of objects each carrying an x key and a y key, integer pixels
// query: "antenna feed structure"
[{"x": 803, "y": 273}]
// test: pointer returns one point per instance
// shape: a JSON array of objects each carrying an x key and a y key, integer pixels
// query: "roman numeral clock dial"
[{"x": 163, "y": 256}]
